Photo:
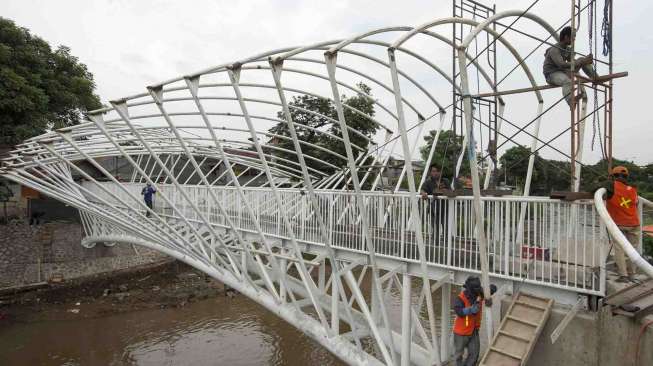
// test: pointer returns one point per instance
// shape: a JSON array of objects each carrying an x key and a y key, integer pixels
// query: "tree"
[
  {"x": 318, "y": 115},
  {"x": 514, "y": 165},
  {"x": 548, "y": 175},
  {"x": 593, "y": 176},
  {"x": 446, "y": 152},
  {"x": 40, "y": 89}
]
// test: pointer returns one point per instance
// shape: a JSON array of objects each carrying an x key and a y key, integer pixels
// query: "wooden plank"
[
  {"x": 571, "y": 196},
  {"x": 599, "y": 80},
  {"x": 565, "y": 321},
  {"x": 604, "y": 78},
  {"x": 630, "y": 293},
  {"x": 518, "y": 333},
  {"x": 468, "y": 192}
]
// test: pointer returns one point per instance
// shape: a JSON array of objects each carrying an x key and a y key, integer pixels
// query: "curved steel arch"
[{"x": 255, "y": 239}]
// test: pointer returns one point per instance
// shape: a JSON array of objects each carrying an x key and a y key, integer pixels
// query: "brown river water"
[
  {"x": 147, "y": 329},
  {"x": 217, "y": 331}
]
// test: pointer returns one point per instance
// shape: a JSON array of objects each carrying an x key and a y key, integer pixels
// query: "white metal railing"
[
  {"x": 554, "y": 243},
  {"x": 618, "y": 236}
]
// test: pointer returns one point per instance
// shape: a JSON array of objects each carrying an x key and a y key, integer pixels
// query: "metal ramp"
[{"x": 519, "y": 330}]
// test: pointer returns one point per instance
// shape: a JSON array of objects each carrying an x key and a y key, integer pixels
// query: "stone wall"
[{"x": 30, "y": 254}]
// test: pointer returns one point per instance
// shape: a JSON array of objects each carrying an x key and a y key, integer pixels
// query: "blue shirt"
[{"x": 147, "y": 193}]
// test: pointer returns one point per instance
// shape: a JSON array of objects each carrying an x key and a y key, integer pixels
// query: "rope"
[
  {"x": 590, "y": 29},
  {"x": 606, "y": 28},
  {"x": 596, "y": 119}
]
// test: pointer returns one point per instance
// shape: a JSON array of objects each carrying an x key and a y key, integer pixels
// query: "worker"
[
  {"x": 431, "y": 188},
  {"x": 468, "y": 307},
  {"x": 148, "y": 193},
  {"x": 621, "y": 202},
  {"x": 557, "y": 65}
]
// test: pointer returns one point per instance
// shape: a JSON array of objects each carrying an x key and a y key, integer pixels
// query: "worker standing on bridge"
[
  {"x": 621, "y": 202},
  {"x": 148, "y": 193},
  {"x": 468, "y": 307},
  {"x": 557, "y": 65},
  {"x": 432, "y": 186}
]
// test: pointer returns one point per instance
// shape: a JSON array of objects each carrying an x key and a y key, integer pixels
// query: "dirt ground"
[{"x": 163, "y": 285}]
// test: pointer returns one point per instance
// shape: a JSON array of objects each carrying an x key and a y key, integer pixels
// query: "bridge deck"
[{"x": 538, "y": 241}]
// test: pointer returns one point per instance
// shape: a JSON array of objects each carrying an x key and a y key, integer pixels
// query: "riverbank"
[{"x": 167, "y": 284}]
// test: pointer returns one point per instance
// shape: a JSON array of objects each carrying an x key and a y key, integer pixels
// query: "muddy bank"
[{"x": 169, "y": 284}]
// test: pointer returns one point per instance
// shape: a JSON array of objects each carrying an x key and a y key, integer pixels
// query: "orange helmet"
[{"x": 620, "y": 170}]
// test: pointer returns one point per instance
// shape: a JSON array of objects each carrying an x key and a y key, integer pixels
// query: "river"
[{"x": 216, "y": 331}]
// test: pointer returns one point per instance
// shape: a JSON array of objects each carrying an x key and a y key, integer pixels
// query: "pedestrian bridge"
[{"x": 319, "y": 240}]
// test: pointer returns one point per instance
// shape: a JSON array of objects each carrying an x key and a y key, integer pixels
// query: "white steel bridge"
[{"x": 321, "y": 250}]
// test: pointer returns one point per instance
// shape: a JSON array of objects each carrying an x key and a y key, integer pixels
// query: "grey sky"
[{"x": 130, "y": 44}]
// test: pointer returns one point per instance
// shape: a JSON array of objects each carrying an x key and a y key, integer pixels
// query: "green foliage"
[
  {"x": 648, "y": 245},
  {"x": 5, "y": 191},
  {"x": 639, "y": 176},
  {"x": 446, "y": 152},
  {"x": 514, "y": 165},
  {"x": 39, "y": 88},
  {"x": 554, "y": 175},
  {"x": 548, "y": 175},
  {"x": 319, "y": 114}
]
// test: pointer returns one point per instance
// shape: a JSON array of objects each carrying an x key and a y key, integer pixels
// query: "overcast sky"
[{"x": 129, "y": 44}]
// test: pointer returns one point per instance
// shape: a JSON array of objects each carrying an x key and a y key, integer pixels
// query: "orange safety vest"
[
  {"x": 465, "y": 325},
  {"x": 622, "y": 206}
]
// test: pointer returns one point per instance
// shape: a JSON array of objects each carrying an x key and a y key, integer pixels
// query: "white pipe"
[{"x": 618, "y": 236}]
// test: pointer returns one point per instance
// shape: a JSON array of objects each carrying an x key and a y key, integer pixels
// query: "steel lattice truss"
[{"x": 255, "y": 239}]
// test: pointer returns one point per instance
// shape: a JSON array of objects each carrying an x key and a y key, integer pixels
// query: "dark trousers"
[
  {"x": 473, "y": 345},
  {"x": 149, "y": 205},
  {"x": 439, "y": 220}
]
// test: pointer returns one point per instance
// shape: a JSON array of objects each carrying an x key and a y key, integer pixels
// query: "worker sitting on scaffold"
[{"x": 557, "y": 65}]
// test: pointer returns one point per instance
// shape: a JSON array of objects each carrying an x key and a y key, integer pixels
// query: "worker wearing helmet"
[
  {"x": 468, "y": 307},
  {"x": 621, "y": 202}
]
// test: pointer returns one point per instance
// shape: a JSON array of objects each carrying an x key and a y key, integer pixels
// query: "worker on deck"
[
  {"x": 148, "y": 193},
  {"x": 432, "y": 186},
  {"x": 557, "y": 65},
  {"x": 621, "y": 202},
  {"x": 468, "y": 307}
]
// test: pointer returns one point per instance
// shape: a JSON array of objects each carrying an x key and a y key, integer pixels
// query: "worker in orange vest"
[
  {"x": 621, "y": 202},
  {"x": 468, "y": 306}
]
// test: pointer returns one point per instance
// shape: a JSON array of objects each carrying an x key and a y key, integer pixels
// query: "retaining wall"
[{"x": 30, "y": 254}]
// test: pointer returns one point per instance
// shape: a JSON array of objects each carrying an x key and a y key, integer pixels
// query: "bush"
[{"x": 648, "y": 245}]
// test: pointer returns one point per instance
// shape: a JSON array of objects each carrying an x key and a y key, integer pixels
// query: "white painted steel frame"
[{"x": 251, "y": 237}]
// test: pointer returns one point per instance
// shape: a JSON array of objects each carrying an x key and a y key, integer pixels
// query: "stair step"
[
  {"x": 523, "y": 321},
  {"x": 514, "y": 336},
  {"x": 504, "y": 352},
  {"x": 530, "y": 305}
]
